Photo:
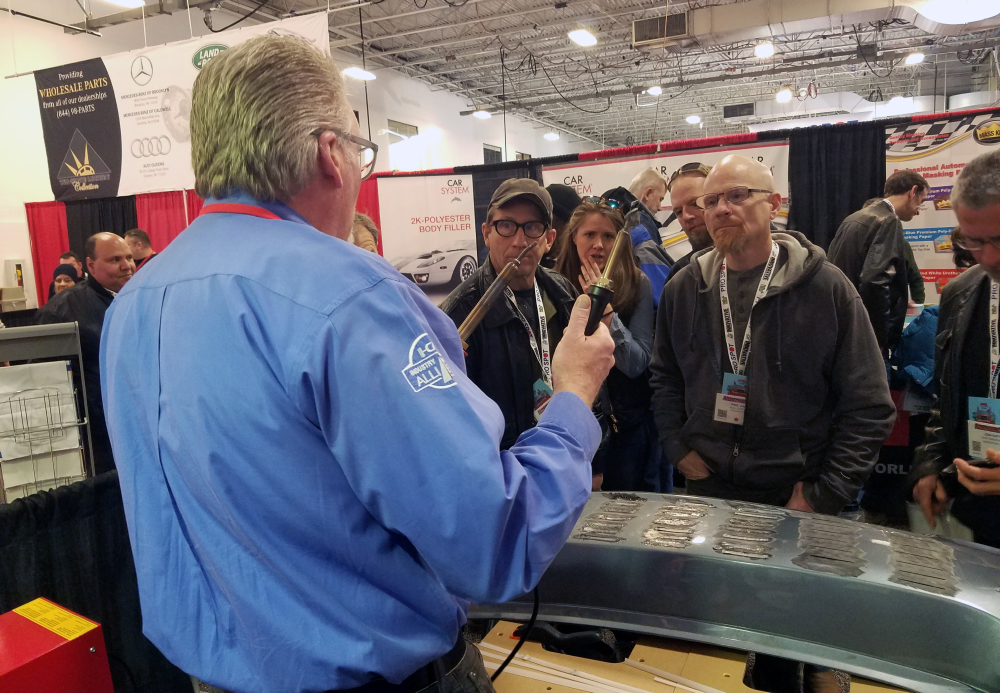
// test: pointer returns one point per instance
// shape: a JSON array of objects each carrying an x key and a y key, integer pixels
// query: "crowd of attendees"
[{"x": 827, "y": 343}]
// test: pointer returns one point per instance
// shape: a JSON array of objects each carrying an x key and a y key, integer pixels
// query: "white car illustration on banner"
[{"x": 452, "y": 265}]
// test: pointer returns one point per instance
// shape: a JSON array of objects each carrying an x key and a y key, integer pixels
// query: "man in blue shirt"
[{"x": 312, "y": 484}]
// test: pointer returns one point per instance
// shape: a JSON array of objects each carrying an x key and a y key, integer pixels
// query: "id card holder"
[
  {"x": 731, "y": 403},
  {"x": 984, "y": 426},
  {"x": 542, "y": 394}
]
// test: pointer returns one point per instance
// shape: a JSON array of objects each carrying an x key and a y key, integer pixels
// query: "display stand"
[{"x": 38, "y": 343}]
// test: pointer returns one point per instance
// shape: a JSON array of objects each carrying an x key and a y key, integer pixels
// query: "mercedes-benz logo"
[
  {"x": 151, "y": 146},
  {"x": 142, "y": 70}
]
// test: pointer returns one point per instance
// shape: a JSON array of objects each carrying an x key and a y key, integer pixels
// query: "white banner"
[
  {"x": 937, "y": 150},
  {"x": 597, "y": 177},
  {"x": 428, "y": 229},
  {"x": 146, "y": 95}
]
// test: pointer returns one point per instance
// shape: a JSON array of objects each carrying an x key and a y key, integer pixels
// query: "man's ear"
[
  {"x": 775, "y": 201},
  {"x": 90, "y": 266},
  {"x": 549, "y": 238},
  {"x": 330, "y": 158},
  {"x": 486, "y": 234}
]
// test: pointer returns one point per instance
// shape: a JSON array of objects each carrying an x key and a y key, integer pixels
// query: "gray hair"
[
  {"x": 254, "y": 109},
  {"x": 646, "y": 179},
  {"x": 978, "y": 184}
]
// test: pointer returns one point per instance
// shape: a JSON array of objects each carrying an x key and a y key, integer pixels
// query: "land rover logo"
[
  {"x": 206, "y": 53},
  {"x": 988, "y": 132}
]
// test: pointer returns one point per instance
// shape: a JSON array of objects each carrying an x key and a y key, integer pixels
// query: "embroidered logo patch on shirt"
[{"x": 427, "y": 368}]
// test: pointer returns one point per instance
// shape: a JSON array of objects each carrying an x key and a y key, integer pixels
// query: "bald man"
[
  {"x": 791, "y": 413},
  {"x": 109, "y": 261}
]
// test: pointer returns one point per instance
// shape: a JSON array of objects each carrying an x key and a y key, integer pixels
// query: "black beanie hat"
[
  {"x": 564, "y": 200},
  {"x": 68, "y": 270}
]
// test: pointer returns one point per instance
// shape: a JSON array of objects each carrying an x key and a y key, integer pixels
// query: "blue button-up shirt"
[{"x": 313, "y": 487}]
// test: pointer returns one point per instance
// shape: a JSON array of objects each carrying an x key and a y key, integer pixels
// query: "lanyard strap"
[
  {"x": 543, "y": 329},
  {"x": 994, "y": 337},
  {"x": 238, "y": 208},
  {"x": 739, "y": 362}
]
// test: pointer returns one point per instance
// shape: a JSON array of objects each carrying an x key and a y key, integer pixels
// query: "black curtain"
[
  {"x": 832, "y": 170},
  {"x": 84, "y": 218},
  {"x": 485, "y": 181},
  {"x": 71, "y": 546}
]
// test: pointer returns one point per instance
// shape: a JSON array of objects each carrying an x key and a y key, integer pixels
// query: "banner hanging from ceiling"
[
  {"x": 119, "y": 125},
  {"x": 938, "y": 150},
  {"x": 428, "y": 229},
  {"x": 597, "y": 177}
]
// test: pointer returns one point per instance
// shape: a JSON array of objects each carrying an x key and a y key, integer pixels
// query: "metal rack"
[{"x": 39, "y": 417}]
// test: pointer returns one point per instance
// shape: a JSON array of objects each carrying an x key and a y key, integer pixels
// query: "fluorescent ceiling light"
[
  {"x": 358, "y": 73},
  {"x": 655, "y": 91},
  {"x": 582, "y": 37},
  {"x": 764, "y": 50},
  {"x": 483, "y": 115},
  {"x": 959, "y": 11},
  {"x": 914, "y": 58},
  {"x": 551, "y": 136},
  {"x": 783, "y": 96},
  {"x": 693, "y": 119},
  {"x": 131, "y": 4}
]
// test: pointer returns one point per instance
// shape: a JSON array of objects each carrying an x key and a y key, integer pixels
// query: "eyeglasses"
[
  {"x": 507, "y": 228},
  {"x": 367, "y": 151},
  {"x": 690, "y": 167},
  {"x": 734, "y": 196},
  {"x": 595, "y": 200},
  {"x": 975, "y": 244}
]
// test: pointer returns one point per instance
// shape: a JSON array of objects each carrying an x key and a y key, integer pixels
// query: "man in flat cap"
[{"x": 509, "y": 354}]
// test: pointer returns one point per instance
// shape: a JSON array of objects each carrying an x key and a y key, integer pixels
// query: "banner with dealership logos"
[
  {"x": 938, "y": 150},
  {"x": 597, "y": 177},
  {"x": 119, "y": 125},
  {"x": 428, "y": 229}
]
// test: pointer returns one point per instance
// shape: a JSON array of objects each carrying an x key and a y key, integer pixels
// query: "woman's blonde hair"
[
  {"x": 254, "y": 109},
  {"x": 624, "y": 276}
]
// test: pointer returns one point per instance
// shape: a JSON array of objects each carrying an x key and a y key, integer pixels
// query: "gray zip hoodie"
[{"x": 818, "y": 404}]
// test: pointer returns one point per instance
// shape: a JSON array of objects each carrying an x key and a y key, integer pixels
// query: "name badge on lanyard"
[
  {"x": 983, "y": 428},
  {"x": 542, "y": 388},
  {"x": 730, "y": 404}
]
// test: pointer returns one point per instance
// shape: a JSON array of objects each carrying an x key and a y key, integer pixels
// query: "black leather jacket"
[
  {"x": 958, "y": 304},
  {"x": 869, "y": 249},
  {"x": 85, "y": 304},
  {"x": 500, "y": 360}
]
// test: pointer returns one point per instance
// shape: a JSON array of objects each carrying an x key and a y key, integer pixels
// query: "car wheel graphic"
[{"x": 465, "y": 268}]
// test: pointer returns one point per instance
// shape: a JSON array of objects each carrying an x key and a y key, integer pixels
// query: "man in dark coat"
[
  {"x": 963, "y": 365},
  {"x": 110, "y": 264},
  {"x": 870, "y": 249},
  {"x": 509, "y": 352}
]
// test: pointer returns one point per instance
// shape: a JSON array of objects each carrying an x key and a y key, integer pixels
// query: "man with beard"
[
  {"x": 794, "y": 418},
  {"x": 956, "y": 442},
  {"x": 685, "y": 186}
]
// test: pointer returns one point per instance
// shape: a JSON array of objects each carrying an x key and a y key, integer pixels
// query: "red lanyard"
[{"x": 238, "y": 208}]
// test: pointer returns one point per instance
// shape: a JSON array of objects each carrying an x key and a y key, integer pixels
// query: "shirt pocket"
[
  {"x": 769, "y": 459},
  {"x": 711, "y": 439}
]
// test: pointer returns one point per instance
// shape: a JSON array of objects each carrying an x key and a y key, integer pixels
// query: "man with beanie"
[
  {"x": 508, "y": 355},
  {"x": 72, "y": 259},
  {"x": 63, "y": 277},
  {"x": 564, "y": 201}
]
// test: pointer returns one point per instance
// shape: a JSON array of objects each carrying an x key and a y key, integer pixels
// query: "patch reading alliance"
[{"x": 427, "y": 367}]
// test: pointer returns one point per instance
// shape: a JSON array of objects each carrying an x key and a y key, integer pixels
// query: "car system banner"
[
  {"x": 119, "y": 125},
  {"x": 597, "y": 177},
  {"x": 938, "y": 150},
  {"x": 428, "y": 229}
]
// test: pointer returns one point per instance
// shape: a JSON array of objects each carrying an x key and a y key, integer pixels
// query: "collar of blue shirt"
[{"x": 274, "y": 206}]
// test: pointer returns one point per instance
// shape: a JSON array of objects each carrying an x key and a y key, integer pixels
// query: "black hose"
[{"x": 524, "y": 638}]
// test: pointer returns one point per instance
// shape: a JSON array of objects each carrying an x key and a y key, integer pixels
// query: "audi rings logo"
[{"x": 151, "y": 146}]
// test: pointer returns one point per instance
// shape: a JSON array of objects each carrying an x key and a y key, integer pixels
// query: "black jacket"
[
  {"x": 948, "y": 413},
  {"x": 86, "y": 304},
  {"x": 818, "y": 406},
  {"x": 869, "y": 249},
  {"x": 500, "y": 360}
]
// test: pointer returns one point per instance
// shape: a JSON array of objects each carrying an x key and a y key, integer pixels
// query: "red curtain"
[
  {"x": 49, "y": 240},
  {"x": 620, "y": 151},
  {"x": 194, "y": 205},
  {"x": 162, "y": 216},
  {"x": 368, "y": 204}
]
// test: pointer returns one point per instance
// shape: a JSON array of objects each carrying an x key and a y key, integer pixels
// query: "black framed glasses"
[
  {"x": 974, "y": 244},
  {"x": 734, "y": 196},
  {"x": 595, "y": 200},
  {"x": 507, "y": 228},
  {"x": 367, "y": 151},
  {"x": 690, "y": 167}
]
